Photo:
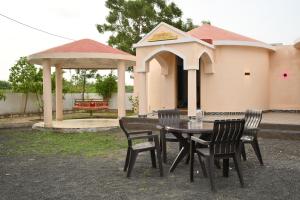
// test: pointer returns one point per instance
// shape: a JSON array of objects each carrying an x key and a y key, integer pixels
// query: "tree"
[
  {"x": 26, "y": 78},
  {"x": 5, "y": 85},
  {"x": 81, "y": 77},
  {"x": 129, "y": 21},
  {"x": 106, "y": 85}
]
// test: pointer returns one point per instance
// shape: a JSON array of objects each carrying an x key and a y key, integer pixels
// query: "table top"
[{"x": 185, "y": 126}]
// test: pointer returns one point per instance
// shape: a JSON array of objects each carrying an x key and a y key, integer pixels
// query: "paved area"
[
  {"x": 82, "y": 123},
  {"x": 281, "y": 118},
  {"x": 270, "y": 118},
  {"x": 73, "y": 177}
]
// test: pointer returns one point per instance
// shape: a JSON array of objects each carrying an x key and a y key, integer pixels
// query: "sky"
[{"x": 270, "y": 21}]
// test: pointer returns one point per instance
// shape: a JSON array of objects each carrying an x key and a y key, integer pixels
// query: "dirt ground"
[{"x": 74, "y": 177}]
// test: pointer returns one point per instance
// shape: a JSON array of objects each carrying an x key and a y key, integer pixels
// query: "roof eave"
[{"x": 243, "y": 43}]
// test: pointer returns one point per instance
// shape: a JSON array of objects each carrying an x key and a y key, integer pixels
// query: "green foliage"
[
  {"x": 129, "y": 21},
  {"x": 26, "y": 78},
  {"x": 129, "y": 88},
  {"x": 48, "y": 143},
  {"x": 2, "y": 96},
  {"x": 80, "y": 79},
  {"x": 5, "y": 85},
  {"x": 66, "y": 84},
  {"x": 106, "y": 85}
]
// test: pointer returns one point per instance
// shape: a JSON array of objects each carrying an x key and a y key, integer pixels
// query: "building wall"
[
  {"x": 225, "y": 90},
  {"x": 228, "y": 89},
  {"x": 285, "y": 91},
  {"x": 162, "y": 86}
]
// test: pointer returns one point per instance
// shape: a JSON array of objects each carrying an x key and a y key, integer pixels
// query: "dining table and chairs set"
[{"x": 211, "y": 140}]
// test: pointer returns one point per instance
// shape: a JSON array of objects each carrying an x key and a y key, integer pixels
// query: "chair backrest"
[
  {"x": 253, "y": 118},
  {"x": 226, "y": 136},
  {"x": 134, "y": 123},
  {"x": 168, "y": 116}
]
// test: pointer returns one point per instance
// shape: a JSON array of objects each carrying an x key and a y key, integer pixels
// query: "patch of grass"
[{"x": 49, "y": 143}]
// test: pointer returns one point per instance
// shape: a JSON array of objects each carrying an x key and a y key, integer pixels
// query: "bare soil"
[{"x": 74, "y": 177}]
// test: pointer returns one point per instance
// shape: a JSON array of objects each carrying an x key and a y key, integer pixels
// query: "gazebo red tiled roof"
[
  {"x": 85, "y": 53},
  {"x": 208, "y": 33},
  {"x": 84, "y": 46}
]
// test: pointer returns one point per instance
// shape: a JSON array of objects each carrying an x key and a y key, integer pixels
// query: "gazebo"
[{"x": 83, "y": 54}]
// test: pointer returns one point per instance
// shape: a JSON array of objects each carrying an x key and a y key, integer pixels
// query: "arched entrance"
[{"x": 161, "y": 78}]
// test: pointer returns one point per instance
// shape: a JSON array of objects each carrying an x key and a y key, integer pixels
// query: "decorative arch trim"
[
  {"x": 208, "y": 62},
  {"x": 152, "y": 54}
]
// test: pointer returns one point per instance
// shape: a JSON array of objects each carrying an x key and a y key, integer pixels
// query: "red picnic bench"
[{"x": 90, "y": 105}]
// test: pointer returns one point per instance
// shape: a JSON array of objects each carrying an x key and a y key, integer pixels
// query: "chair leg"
[
  {"x": 158, "y": 155},
  {"x": 257, "y": 151},
  {"x": 164, "y": 149},
  {"x": 192, "y": 150},
  {"x": 202, "y": 164},
  {"x": 127, "y": 159},
  {"x": 243, "y": 151},
  {"x": 211, "y": 173},
  {"x": 238, "y": 168},
  {"x": 132, "y": 160},
  {"x": 152, "y": 153}
]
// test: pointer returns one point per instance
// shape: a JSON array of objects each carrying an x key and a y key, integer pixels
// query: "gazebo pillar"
[
  {"x": 192, "y": 92},
  {"x": 58, "y": 91},
  {"x": 121, "y": 89},
  {"x": 143, "y": 99},
  {"x": 47, "y": 94}
]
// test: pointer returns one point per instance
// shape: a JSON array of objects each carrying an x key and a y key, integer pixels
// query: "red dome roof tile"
[
  {"x": 209, "y": 32},
  {"x": 85, "y": 46}
]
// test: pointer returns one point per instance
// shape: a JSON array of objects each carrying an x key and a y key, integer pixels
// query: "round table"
[{"x": 180, "y": 127}]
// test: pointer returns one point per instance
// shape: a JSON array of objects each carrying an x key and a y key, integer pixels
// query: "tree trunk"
[{"x": 83, "y": 86}]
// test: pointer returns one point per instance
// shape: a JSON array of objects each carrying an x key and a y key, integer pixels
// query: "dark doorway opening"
[
  {"x": 182, "y": 85},
  {"x": 199, "y": 85}
]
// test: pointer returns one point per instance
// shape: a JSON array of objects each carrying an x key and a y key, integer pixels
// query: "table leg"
[{"x": 183, "y": 152}]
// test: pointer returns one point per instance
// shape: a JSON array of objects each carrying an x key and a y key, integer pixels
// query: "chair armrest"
[
  {"x": 143, "y": 137},
  {"x": 140, "y": 132},
  {"x": 198, "y": 140}
]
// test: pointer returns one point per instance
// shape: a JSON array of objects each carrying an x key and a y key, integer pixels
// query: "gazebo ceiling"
[{"x": 83, "y": 53}]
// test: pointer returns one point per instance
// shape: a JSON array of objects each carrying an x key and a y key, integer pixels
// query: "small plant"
[{"x": 134, "y": 100}]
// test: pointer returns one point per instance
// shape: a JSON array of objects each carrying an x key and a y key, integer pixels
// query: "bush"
[{"x": 106, "y": 85}]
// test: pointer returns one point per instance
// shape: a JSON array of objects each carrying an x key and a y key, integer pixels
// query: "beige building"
[{"x": 215, "y": 70}]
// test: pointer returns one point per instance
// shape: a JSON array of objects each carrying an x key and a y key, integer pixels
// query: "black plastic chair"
[
  {"x": 253, "y": 119},
  {"x": 166, "y": 117},
  {"x": 133, "y": 150},
  {"x": 225, "y": 143}
]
